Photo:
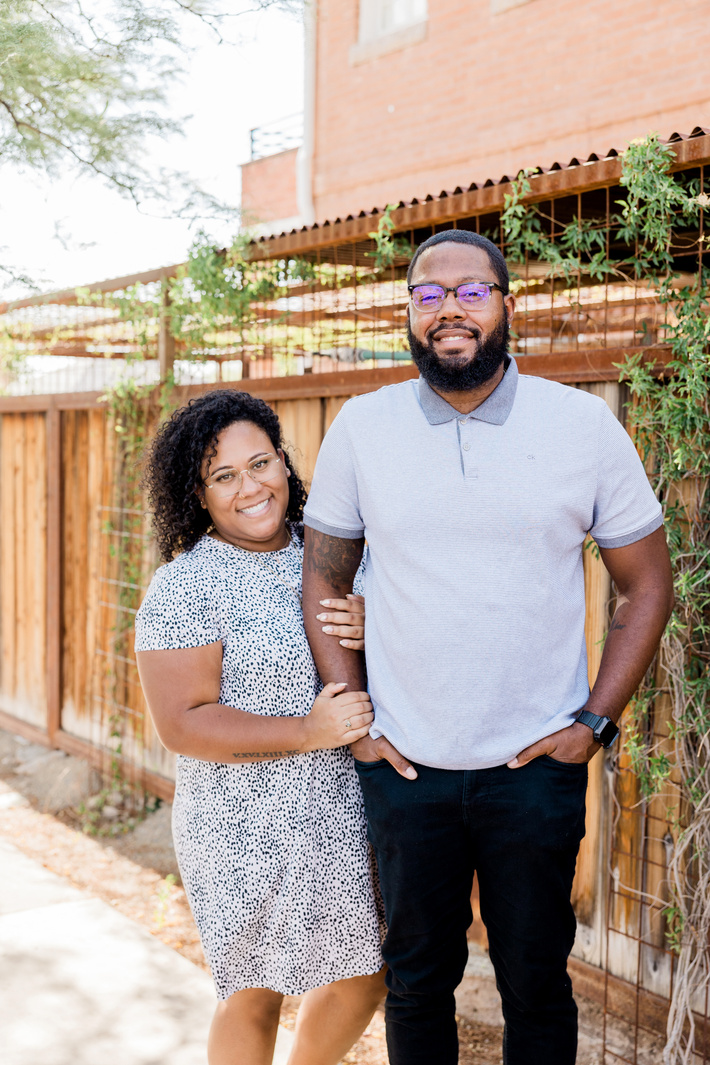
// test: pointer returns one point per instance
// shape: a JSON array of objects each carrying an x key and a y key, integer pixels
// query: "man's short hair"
[{"x": 464, "y": 236}]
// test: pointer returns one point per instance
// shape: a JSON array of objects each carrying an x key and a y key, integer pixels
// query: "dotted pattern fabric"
[{"x": 273, "y": 855}]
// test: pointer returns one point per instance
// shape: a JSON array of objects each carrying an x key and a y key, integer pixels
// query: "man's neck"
[{"x": 465, "y": 402}]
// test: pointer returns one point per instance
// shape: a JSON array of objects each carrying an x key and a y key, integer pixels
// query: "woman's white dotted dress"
[{"x": 273, "y": 855}]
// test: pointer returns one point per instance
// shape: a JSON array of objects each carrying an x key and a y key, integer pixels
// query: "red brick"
[{"x": 545, "y": 81}]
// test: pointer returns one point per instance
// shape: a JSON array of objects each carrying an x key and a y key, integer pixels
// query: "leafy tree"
[{"x": 83, "y": 85}]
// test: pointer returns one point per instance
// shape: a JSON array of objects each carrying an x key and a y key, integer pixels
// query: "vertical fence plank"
[
  {"x": 589, "y": 881},
  {"x": 54, "y": 558},
  {"x": 302, "y": 427},
  {"x": 22, "y": 640},
  {"x": 8, "y": 545},
  {"x": 587, "y": 884},
  {"x": 35, "y": 526}
]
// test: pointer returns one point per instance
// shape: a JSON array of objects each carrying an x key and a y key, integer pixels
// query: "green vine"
[
  {"x": 387, "y": 246},
  {"x": 658, "y": 220}
]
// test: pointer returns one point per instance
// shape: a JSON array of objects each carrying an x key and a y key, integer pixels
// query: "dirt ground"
[{"x": 136, "y": 873}]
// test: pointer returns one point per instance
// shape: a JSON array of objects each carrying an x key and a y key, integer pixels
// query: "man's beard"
[{"x": 453, "y": 375}]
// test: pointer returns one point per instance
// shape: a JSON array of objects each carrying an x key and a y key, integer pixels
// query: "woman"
[{"x": 268, "y": 821}]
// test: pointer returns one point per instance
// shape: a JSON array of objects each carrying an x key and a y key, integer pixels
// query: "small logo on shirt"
[{"x": 531, "y": 456}]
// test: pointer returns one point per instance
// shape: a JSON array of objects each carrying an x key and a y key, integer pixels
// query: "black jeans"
[{"x": 520, "y": 830}]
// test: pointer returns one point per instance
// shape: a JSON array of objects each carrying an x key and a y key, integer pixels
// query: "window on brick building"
[
  {"x": 499, "y": 6},
  {"x": 379, "y": 17}
]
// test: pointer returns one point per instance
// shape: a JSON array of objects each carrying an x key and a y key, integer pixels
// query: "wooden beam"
[
  {"x": 113, "y": 284},
  {"x": 103, "y": 760},
  {"x": 100, "y": 759},
  {"x": 489, "y": 199},
  {"x": 166, "y": 340},
  {"x": 572, "y": 367},
  {"x": 54, "y": 576},
  {"x": 632, "y": 1004},
  {"x": 29, "y": 732}
]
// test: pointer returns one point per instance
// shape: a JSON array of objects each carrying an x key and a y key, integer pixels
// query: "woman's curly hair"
[{"x": 174, "y": 461}]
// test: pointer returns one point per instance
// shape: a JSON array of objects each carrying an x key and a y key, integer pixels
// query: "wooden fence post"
[
  {"x": 166, "y": 340},
  {"x": 54, "y": 576}
]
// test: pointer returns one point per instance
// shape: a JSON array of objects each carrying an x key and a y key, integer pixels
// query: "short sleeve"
[
  {"x": 625, "y": 506},
  {"x": 179, "y": 610},
  {"x": 333, "y": 504}
]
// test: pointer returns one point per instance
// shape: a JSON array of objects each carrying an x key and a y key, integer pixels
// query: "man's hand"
[
  {"x": 369, "y": 750},
  {"x": 572, "y": 744}
]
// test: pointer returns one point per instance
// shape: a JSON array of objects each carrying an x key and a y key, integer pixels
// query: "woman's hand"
[
  {"x": 345, "y": 618},
  {"x": 337, "y": 718}
]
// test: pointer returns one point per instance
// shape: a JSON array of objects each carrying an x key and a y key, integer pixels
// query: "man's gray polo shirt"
[{"x": 474, "y": 583}]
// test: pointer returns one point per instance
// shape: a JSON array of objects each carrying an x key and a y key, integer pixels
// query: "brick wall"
[
  {"x": 486, "y": 93},
  {"x": 269, "y": 188}
]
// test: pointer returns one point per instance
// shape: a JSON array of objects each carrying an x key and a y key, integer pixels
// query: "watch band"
[{"x": 603, "y": 728}]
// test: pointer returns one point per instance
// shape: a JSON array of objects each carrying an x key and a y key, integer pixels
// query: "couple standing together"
[{"x": 474, "y": 488}]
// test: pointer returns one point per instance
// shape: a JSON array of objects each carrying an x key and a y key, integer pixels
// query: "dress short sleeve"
[
  {"x": 625, "y": 505},
  {"x": 180, "y": 609}
]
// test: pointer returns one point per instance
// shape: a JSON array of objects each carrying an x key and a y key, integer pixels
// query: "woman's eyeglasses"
[
  {"x": 228, "y": 482},
  {"x": 469, "y": 295}
]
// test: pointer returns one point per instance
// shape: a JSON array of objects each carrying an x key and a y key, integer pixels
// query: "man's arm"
[
  {"x": 642, "y": 574},
  {"x": 329, "y": 567}
]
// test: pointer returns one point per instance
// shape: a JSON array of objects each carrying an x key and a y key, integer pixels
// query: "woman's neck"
[{"x": 254, "y": 546}]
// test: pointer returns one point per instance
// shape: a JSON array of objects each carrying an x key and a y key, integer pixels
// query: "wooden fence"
[{"x": 62, "y": 681}]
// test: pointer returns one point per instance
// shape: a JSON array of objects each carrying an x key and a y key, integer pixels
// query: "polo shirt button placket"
[{"x": 467, "y": 428}]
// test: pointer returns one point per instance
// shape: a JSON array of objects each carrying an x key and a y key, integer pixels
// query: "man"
[{"x": 475, "y": 488}]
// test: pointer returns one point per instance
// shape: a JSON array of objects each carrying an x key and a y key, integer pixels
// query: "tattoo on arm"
[
  {"x": 614, "y": 626},
  {"x": 332, "y": 558},
  {"x": 250, "y": 755}
]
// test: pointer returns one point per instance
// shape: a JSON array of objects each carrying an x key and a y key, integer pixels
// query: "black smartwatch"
[{"x": 603, "y": 728}]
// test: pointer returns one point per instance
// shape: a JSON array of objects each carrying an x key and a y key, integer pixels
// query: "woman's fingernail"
[
  {"x": 343, "y": 643},
  {"x": 325, "y": 602},
  {"x": 321, "y": 617},
  {"x": 327, "y": 628}
]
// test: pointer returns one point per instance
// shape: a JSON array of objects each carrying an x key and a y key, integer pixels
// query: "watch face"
[{"x": 607, "y": 734}]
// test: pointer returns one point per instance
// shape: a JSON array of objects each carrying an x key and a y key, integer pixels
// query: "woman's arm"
[{"x": 182, "y": 691}]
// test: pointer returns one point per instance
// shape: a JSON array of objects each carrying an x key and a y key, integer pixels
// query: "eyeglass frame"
[
  {"x": 240, "y": 473},
  {"x": 490, "y": 285}
]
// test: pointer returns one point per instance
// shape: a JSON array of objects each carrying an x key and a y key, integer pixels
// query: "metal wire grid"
[{"x": 346, "y": 317}]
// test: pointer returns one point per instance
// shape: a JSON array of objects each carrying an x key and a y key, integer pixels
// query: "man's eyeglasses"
[
  {"x": 472, "y": 294},
  {"x": 228, "y": 482}
]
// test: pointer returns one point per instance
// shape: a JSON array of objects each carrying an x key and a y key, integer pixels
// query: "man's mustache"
[{"x": 440, "y": 331}]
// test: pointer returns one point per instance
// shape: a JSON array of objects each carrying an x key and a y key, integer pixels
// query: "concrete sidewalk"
[{"x": 80, "y": 984}]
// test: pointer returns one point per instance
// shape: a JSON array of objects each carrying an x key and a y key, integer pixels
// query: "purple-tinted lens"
[
  {"x": 426, "y": 297},
  {"x": 473, "y": 295}
]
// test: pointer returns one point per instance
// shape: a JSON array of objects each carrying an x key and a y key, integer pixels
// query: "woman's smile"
[{"x": 256, "y": 509}]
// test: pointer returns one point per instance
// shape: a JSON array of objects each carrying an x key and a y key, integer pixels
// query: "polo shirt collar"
[{"x": 495, "y": 409}]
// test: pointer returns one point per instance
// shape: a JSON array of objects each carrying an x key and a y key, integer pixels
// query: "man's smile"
[{"x": 453, "y": 337}]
